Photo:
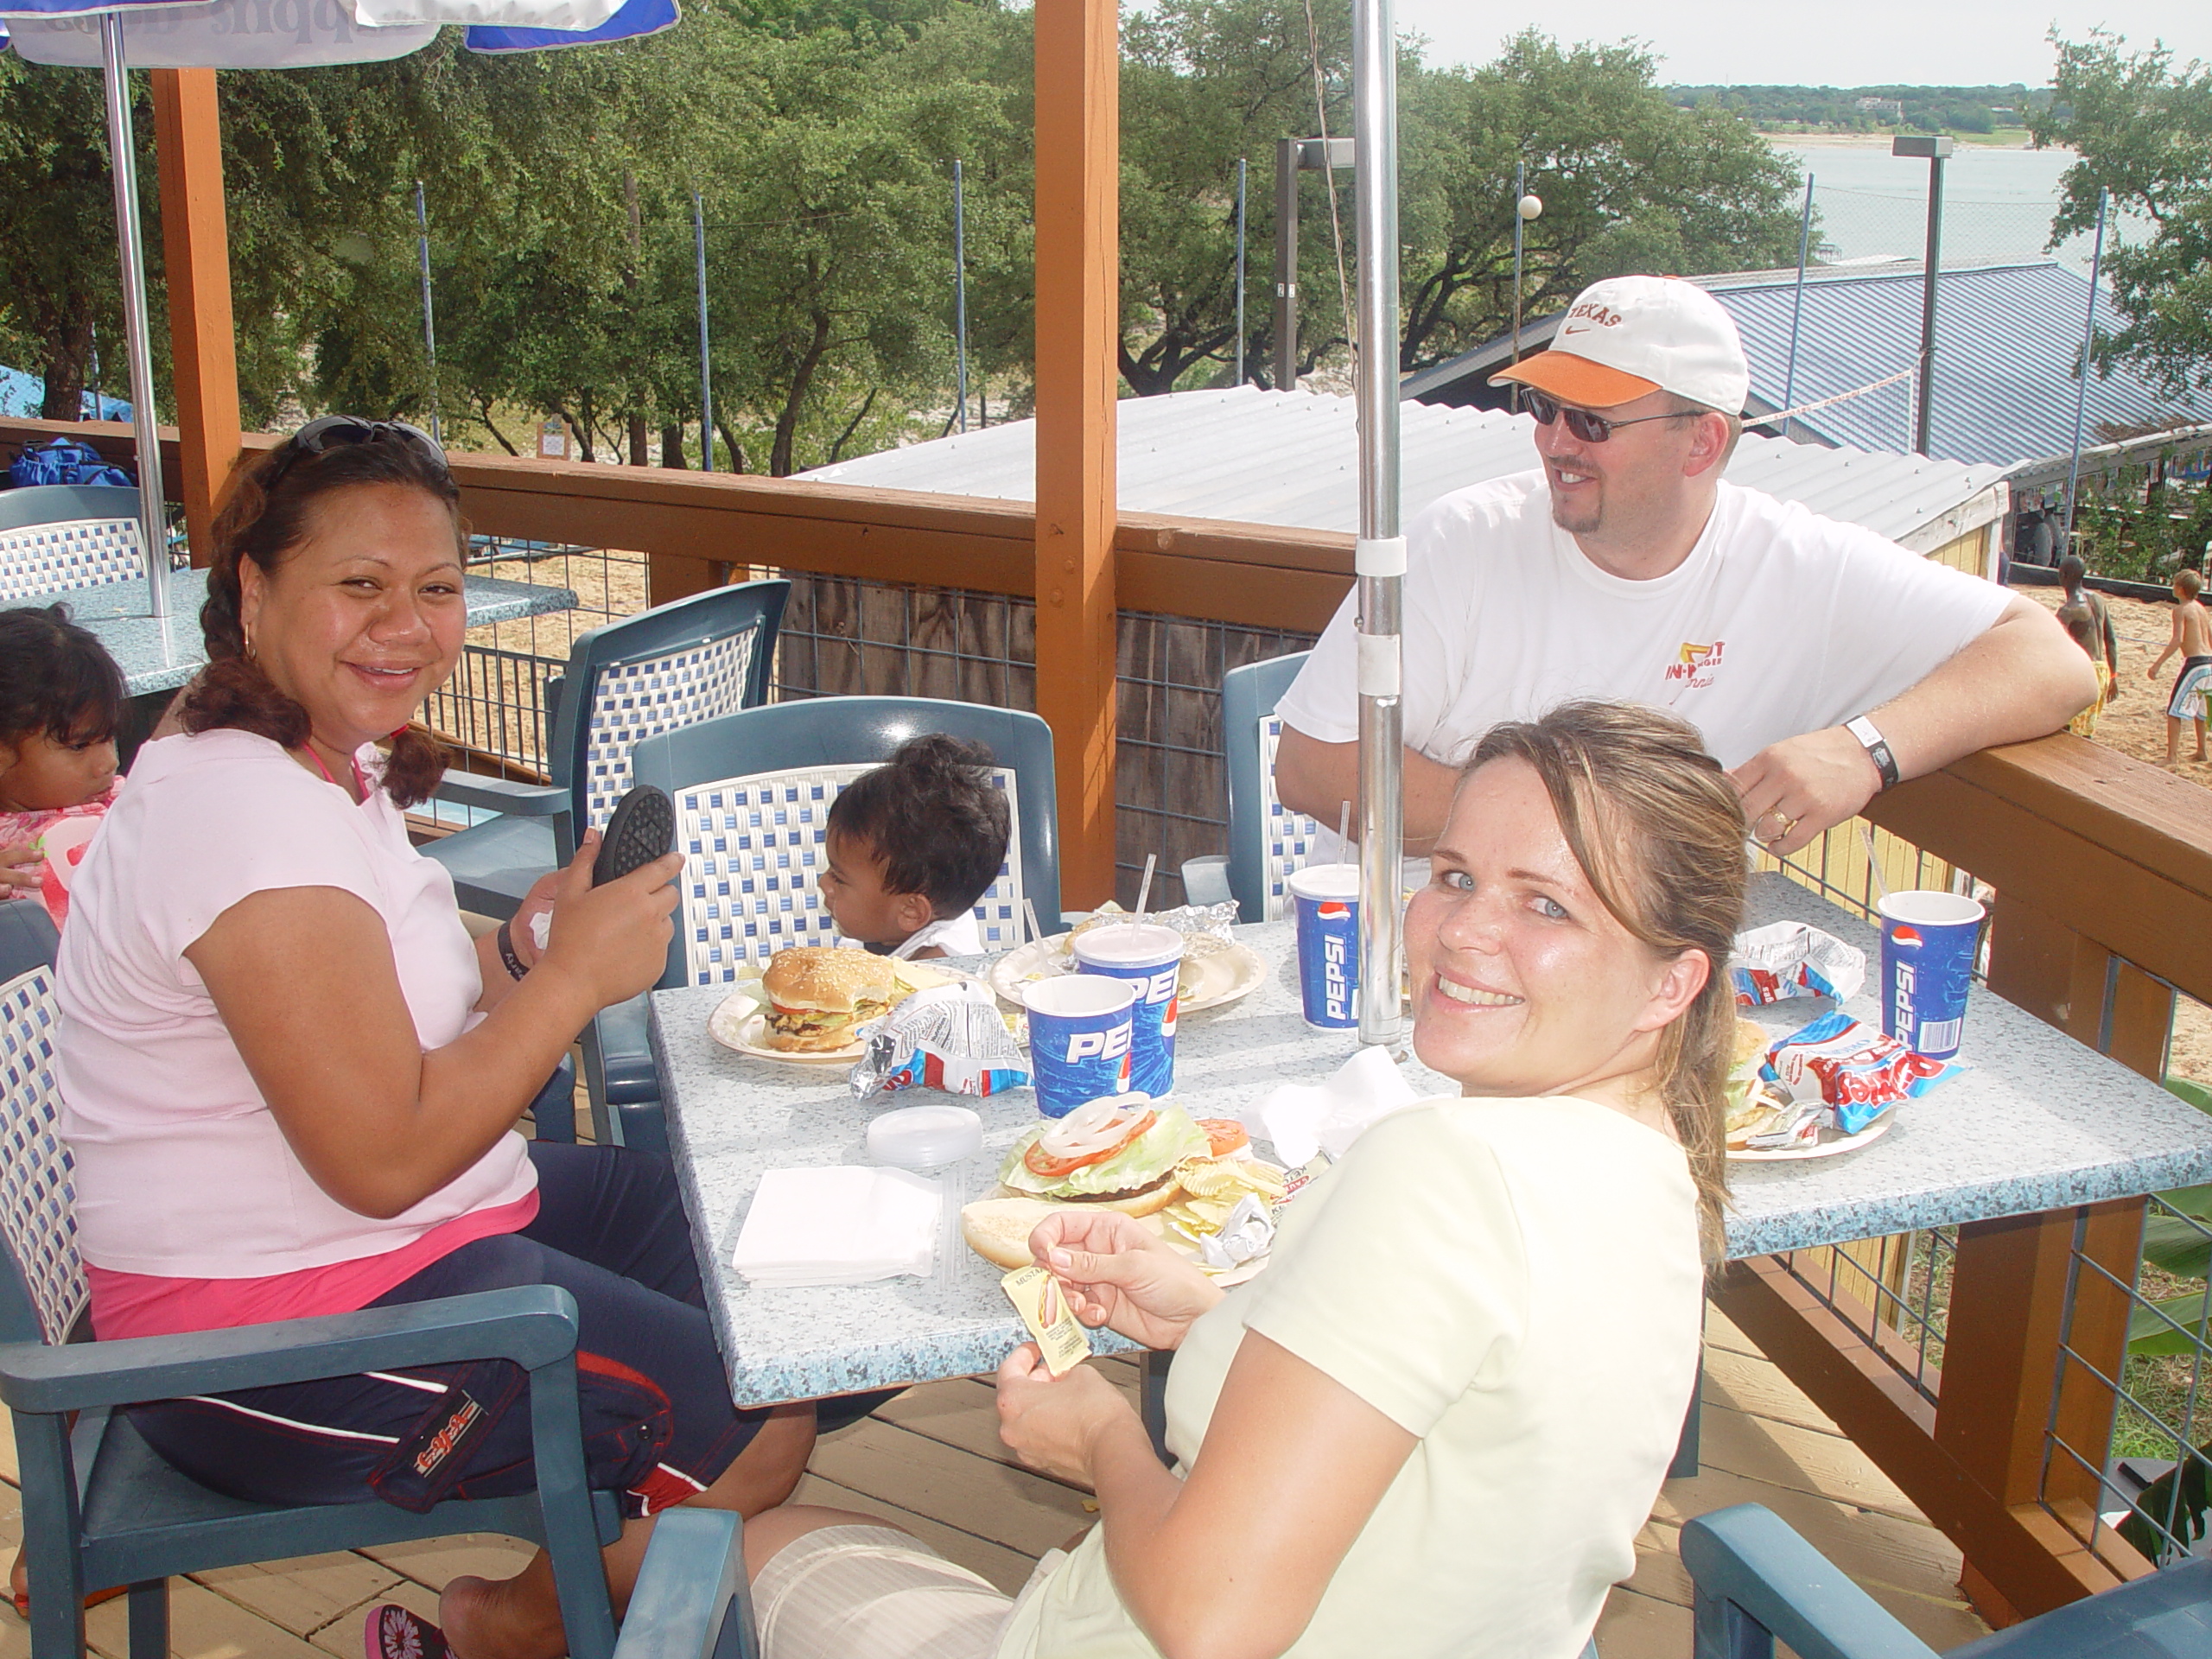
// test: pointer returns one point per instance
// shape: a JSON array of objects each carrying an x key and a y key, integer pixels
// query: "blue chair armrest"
[
  {"x": 505, "y": 795},
  {"x": 1206, "y": 879},
  {"x": 532, "y": 1325},
  {"x": 691, "y": 1587},
  {"x": 1758, "y": 1581}
]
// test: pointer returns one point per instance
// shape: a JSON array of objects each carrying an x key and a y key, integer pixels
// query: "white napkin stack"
[
  {"x": 1303, "y": 1118},
  {"x": 843, "y": 1225}
]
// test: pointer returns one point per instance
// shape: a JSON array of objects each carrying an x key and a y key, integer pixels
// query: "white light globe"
[{"x": 1531, "y": 207}]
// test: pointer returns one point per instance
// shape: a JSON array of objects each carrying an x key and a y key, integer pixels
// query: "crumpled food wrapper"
[
  {"x": 952, "y": 1038},
  {"x": 1791, "y": 959},
  {"x": 1247, "y": 1235},
  {"x": 1300, "y": 1119},
  {"x": 1855, "y": 1072}
]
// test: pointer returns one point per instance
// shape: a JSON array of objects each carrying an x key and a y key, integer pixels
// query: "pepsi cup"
[
  {"x": 1149, "y": 957},
  {"x": 1079, "y": 1029},
  {"x": 1326, "y": 900},
  {"x": 1928, "y": 945}
]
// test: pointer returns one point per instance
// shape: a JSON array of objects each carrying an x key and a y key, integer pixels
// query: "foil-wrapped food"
[
  {"x": 952, "y": 1038},
  {"x": 1791, "y": 959}
]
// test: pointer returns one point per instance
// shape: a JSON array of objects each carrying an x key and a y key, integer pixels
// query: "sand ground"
[{"x": 2134, "y": 723}]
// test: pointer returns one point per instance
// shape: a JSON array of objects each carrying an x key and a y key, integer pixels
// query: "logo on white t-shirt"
[{"x": 1693, "y": 669}]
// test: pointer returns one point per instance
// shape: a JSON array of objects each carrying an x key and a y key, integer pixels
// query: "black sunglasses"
[
  {"x": 327, "y": 431},
  {"x": 1591, "y": 429}
]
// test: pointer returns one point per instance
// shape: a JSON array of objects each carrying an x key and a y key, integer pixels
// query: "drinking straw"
[
  {"x": 1030, "y": 911},
  {"x": 1874, "y": 864},
  {"x": 1344, "y": 826},
  {"x": 1144, "y": 888}
]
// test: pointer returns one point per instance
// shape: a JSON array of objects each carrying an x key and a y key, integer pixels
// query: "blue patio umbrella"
[{"x": 118, "y": 36}]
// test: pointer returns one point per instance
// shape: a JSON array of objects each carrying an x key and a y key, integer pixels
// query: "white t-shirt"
[
  {"x": 181, "y": 1170},
  {"x": 1780, "y": 622},
  {"x": 1517, "y": 1284}
]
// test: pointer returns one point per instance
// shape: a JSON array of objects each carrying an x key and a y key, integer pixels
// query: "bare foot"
[{"x": 484, "y": 1618}]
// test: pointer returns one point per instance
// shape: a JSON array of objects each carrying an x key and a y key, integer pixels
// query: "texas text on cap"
[{"x": 1628, "y": 336}]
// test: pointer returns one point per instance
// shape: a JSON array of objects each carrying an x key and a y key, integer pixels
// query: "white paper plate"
[
  {"x": 1827, "y": 1146},
  {"x": 1213, "y": 980},
  {"x": 738, "y": 1022}
]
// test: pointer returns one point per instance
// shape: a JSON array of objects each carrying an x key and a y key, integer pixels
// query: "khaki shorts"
[{"x": 873, "y": 1592}]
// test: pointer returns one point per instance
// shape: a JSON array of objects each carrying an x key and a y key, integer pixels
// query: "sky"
[{"x": 1868, "y": 42}]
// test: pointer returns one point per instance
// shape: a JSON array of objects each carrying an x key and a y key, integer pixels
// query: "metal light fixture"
[{"x": 1937, "y": 150}]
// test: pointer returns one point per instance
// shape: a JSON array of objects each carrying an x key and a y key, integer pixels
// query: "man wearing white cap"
[{"x": 1822, "y": 661}]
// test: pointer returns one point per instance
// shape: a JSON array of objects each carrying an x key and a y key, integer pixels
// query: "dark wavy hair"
[
  {"x": 56, "y": 679},
  {"x": 267, "y": 514},
  {"x": 933, "y": 817}
]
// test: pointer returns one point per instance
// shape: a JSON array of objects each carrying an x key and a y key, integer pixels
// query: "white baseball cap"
[{"x": 1628, "y": 336}]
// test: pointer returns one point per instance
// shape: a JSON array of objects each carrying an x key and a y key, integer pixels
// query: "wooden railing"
[{"x": 2102, "y": 867}]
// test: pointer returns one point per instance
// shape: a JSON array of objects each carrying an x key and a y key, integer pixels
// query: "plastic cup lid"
[
  {"x": 1129, "y": 945},
  {"x": 924, "y": 1137},
  {"x": 1927, "y": 908},
  {"x": 1075, "y": 995},
  {"x": 1326, "y": 882}
]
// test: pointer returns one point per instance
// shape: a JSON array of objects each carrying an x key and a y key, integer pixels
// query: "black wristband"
[
  {"x": 507, "y": 951},
  {"x": 1876, "y": 747}
]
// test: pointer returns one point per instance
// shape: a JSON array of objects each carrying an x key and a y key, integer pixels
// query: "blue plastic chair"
[
  {"x": 753, "y": 792},
  {"x": 1268, "y": 842},
  {"x": 57, "y": 536},
  {"x": 101, "y": 1507},
  {"x": 679, "y": 662},
  {"x": 1759, "y": 1583},
  {"x": 691, "y": 1599}
]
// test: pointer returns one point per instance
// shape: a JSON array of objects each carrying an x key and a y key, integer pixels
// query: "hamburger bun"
[
  {"x": 1750, "y": 1045},
  {"x": 818, "y": 994},
  {"x": 1146, "y": 1201},
  {"x": 998, "y": 1229}
]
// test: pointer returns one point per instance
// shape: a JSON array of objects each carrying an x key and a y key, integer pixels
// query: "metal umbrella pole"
[
  {"x": 1379, "y": 554},
  {"x": 2088, "y": 344},
  {"x": 122, "y": 162}
]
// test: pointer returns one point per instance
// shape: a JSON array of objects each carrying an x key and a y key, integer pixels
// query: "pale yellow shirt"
[{"x": 1517, "y": 1284}]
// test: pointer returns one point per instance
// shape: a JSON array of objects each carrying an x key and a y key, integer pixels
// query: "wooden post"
[
  {"x": 196, "y": 247},
  {"x": 1079, "y": 152}
]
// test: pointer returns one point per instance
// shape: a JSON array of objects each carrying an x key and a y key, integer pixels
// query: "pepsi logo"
[
  {"x": 1333, "y": 908},
  {"x": 1906, "y": 936}
]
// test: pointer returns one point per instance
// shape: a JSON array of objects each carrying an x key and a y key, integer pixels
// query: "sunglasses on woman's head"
[
  {"x": 334, "y": 431},
  {"x": 1591, "y": 429}
]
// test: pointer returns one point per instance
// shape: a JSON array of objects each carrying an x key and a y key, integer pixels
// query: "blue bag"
[{"x": 64, "y": 460}]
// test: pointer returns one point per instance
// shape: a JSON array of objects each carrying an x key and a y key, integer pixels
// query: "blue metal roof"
[{"x": 2006, "y": 336}]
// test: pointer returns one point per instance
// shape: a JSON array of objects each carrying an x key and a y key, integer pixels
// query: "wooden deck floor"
[{"x": 932, "y": 1462}]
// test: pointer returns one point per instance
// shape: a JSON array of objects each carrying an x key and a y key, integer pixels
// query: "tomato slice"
[
  {"x": 1041, "y": 1163},
  {"x": 1223, "y": 1136}
]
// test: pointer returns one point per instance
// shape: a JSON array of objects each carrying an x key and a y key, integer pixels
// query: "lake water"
[{"x": 1998, "y": 204}]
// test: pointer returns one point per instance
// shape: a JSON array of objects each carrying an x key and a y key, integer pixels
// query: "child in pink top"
[{"x": 61, "y": 696}]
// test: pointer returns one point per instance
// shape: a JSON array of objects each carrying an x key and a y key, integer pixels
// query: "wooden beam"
[
  {"x": 195, "y": 244},
  {"x": 1078, "y": 305}
]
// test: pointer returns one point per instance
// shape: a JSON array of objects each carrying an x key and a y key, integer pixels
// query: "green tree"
[
  {"x": 2142, "y": 126},
  {"x": 1629, "y": 182}
]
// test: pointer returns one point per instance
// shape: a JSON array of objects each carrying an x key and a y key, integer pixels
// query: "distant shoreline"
[{"x": 1880, "y": 140}]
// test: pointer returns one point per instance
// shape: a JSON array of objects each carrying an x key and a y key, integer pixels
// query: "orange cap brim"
[{"x": 1576, "y": 380}]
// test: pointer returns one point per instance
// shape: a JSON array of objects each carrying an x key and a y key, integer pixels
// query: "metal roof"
[
  {"x": 1291, "y": 458},
  {"x": 2006, "y": 337}
]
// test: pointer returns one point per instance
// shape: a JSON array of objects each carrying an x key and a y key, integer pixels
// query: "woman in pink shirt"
[{"x": 292, "y": 1079}]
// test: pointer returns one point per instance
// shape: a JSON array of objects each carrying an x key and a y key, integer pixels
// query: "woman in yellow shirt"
[{"x": 1435, "y": 1424}]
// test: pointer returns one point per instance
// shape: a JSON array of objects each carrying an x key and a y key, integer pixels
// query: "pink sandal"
[{"x": 394, "y": 1633}]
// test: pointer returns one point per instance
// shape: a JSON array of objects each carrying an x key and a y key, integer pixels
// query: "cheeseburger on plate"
[{"x": 818, "y": 994}]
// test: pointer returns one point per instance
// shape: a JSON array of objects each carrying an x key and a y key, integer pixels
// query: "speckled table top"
[
  {"x": 2038, "y": 1122},
  {"x": 161, "y": 653}
]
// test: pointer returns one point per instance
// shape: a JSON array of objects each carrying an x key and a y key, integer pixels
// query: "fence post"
[
  {"x": 2011, "y": 1404},
  {"x": 195, "y": 243},
  {"x": 1077, "y": 337}
]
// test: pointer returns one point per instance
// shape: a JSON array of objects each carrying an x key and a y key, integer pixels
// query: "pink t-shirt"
[
  {"x": 54, "y": 888},
  {"x": 182, "y": 1171}
]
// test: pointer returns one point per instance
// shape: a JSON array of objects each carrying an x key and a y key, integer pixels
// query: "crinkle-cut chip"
[{"x": 1229, "y": 1178}]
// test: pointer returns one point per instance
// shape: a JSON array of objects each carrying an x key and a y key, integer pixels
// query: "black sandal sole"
[{"x": 642, "y": 828}]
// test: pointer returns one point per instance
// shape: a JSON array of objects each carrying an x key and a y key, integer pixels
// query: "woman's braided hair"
[{"x": 267, "y": 514}]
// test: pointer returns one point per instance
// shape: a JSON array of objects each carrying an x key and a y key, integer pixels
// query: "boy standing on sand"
[
  {"x": 2087, "y": 619},
  {"x": 2192, "y": 636}
]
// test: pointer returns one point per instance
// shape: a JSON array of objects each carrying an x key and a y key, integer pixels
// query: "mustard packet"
[{"x": 1037, "y": 1296}]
